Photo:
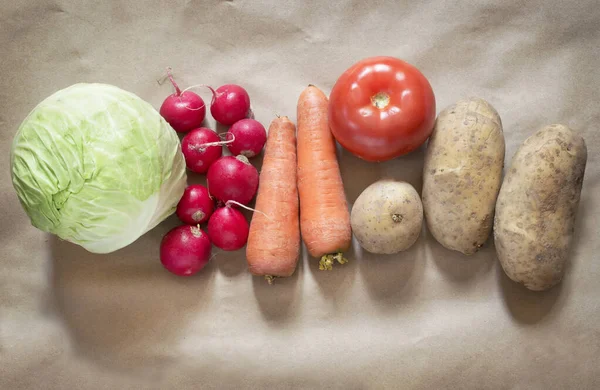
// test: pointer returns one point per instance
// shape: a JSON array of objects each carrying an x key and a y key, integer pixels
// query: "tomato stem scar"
[{"x": 380, "y": 100}]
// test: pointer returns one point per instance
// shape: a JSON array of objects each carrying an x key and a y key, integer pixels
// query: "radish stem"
[{"x": 177, "y": 90}]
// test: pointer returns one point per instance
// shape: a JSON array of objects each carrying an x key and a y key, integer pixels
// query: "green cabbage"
[{"x": 97, "y": 166}]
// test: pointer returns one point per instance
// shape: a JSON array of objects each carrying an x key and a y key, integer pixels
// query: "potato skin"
[
  {"x": 387, "y": 217},
  {"x": 462, "y": 174},
  {"x": 535, "y": 213}
]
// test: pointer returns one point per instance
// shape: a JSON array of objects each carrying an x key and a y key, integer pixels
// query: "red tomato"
[{"x": 381, "y": 108}]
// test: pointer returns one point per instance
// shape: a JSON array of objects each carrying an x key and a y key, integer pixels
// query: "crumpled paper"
[{"x": 427, "y": 318}]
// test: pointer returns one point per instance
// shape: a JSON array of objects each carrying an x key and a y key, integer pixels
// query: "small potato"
[
  {"x": 387, "y": 217},
  {"x": 462, "y": 174},
  {"x": 535, "y": 213}
]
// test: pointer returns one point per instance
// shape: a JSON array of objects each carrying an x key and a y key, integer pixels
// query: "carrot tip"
[{"x": 327, "y": 261}]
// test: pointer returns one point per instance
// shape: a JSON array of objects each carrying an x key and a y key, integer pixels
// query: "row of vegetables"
[
  {"x": 99, "y": 167},
  {"x": 382, "y": 108}
]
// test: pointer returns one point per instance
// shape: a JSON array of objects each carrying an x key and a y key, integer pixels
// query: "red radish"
[
  {"x": 185, "y": 250},
  {"x": 232, "y": 178},
  {"x": 201, "y": 147},
  {"x": 248, "y": 138},
  {"x": 228, "y": 228},
  {"x": 230, "y": 104},
  {"x": 196, "y": 205},
  {"x": 184, "y": 111}
]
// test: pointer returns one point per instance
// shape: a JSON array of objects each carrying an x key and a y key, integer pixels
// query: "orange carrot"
[
  {"x": 274, "y": 240},
  {"x": 324, "y": 215}
]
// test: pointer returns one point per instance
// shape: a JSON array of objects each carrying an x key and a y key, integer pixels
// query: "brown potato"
[
  {"x": 462, "y": 174},
  {"x": 387, "y": 217},
  {"x": 535, "y": 212}
]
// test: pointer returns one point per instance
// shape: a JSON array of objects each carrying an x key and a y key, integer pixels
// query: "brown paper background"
[{"x": 424, "y": 319}]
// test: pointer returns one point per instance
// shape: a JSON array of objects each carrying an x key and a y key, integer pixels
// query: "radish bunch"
[{"x": 232, "y": 181}]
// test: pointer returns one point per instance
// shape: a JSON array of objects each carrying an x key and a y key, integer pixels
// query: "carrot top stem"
[
  {"x": 270, "y": 278},
  {"x": 327, "y": 261}
]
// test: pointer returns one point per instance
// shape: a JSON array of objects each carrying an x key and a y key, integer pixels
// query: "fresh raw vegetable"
[
  {"x": 274, "y": 240},
  {"x": 228, "y": 228},
  {"x": 183, "y": 110},
  {"x": 247, "y": 138},
  {"x": 462, "y": 174},
  {"x": 324, "y": 215},
  {"x": 381, "y": 108},
  {"x": 537, "y": 204},
  {"x": 230, "y": 104},
  {"x": 97, "y": 166},
  {"x": 387, "y": 217},
  {"x": 196, "y": 205},
  {"x": 201, "y": 148},
  {"x": 185, "y": 250},
  {"x": 232, "y": 178}
]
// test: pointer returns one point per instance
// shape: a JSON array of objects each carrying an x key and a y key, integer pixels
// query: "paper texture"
[{"x": 424, "y": 319}]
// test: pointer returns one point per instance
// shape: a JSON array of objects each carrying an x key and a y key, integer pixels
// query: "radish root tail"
[
  {"x": 194, "y": 109},
  {"x": 327, "y": 261},
  {"x": 214, "y": 93},
  {"x": 202, "y": 147},
  {"x": 247, "y": 208}
]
